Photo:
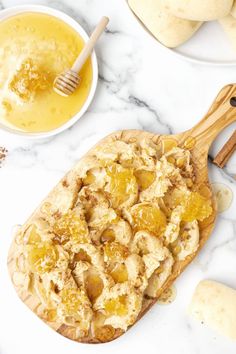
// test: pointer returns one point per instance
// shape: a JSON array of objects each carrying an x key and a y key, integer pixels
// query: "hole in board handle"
[{"x": 233, "y": 101}]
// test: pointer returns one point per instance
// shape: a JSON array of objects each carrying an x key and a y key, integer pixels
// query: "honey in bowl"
[{"x": 34, "y": 48}]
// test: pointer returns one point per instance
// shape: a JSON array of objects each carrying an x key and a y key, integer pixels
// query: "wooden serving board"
[{"x": 198, "y": 140}]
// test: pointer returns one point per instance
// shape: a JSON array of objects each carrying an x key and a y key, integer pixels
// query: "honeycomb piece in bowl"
[{"x": 29, "y": 80}]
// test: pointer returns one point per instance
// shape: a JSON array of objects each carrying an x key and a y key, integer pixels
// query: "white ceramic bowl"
[{"x": 75, "y": 25}]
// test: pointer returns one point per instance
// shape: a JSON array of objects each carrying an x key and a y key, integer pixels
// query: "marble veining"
[{"x": 141, "y": 86}]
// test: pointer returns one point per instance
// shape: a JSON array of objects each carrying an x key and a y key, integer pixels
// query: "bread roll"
[
  {"x": 199, "y": 10},
  {"x": 228, "y": 24},
  {"x": 168, "y": 29},
  {"x": 215, "y": 304},
  {"x": 233, "y": 10}
]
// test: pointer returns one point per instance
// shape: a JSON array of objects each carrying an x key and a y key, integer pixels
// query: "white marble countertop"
[{"x": 144, "y": 86}]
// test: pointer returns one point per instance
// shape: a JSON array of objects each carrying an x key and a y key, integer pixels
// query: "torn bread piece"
[
  {"x": 199, "y": 10},
  {"x": 167, "y": 28},
  {"x": 214, "y": 304}
]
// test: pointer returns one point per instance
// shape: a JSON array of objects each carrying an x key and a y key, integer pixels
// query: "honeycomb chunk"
[
  {"x": 29, "y": 80},
  {"x": 144, "y": 178},
  {"x": 122, "y": 183},
  {"x": 116, "y": 307},
  {"x": 196, "y": 207},
  {"x": 42, "y": 257},
  {"x": 70, "y": 227},
  {"x": 72, "y": 301},
  {"x": 148, "y": 217},
  {"x": 115, "y": 252},
  {"x": 100, "y": 216}
]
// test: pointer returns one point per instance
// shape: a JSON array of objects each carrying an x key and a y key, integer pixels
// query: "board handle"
[{"x": 221, "y": 113}]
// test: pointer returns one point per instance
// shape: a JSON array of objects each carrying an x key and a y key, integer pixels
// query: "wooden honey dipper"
[{"x": 68, "y": 81}]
